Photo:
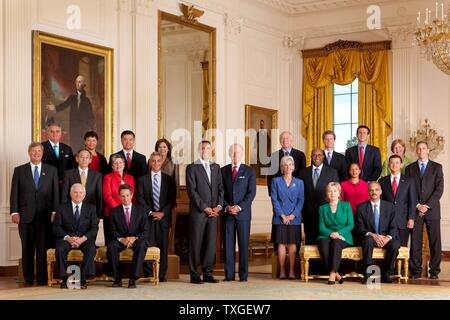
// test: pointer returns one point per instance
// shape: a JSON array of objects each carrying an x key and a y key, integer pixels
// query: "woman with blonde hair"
[{"x": 398, "y": 147}]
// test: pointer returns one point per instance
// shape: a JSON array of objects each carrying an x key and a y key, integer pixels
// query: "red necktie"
[
  {"x": 129, "y": 160},
  {"x": 127, "y": 217},
  {"x": 361, "y": 156},
  {"x": 234, "y": 174},
  {"x": 394, "y": 185}
]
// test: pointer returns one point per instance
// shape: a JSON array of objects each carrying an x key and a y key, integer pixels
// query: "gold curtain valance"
[{"x": 341, "y": 62}]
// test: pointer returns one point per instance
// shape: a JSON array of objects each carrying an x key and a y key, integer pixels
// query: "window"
[{"x": 345, "y": 115}]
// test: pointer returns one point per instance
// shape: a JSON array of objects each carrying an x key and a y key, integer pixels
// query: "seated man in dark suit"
[
  {"x": 156, "y": 193},
  {"x": 76, "y": 227},
  {"x": 376, "y": 226},
  {"x": 400, "y": 190},
  {"x": 239, "y": 181},
  {"x": 91, "y": 180},
  {"x": 367, "y": 156},
  {"x": 332, "y": 158},
  {"x": 128, "y": 227},
  {"x": 135, "y": 162}
]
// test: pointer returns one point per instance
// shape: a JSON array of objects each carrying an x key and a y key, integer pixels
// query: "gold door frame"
[
  {"x": 212, "y": 72},
  {"x": 40, "y": 38}
]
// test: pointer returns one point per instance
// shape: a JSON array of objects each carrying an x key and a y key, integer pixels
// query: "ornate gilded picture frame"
[
  {"x": 72, "y": 86},
  {"x": 260, "y": 140}
]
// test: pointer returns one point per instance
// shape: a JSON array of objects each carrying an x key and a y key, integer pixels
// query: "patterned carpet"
[{"x": 259, "y": 287}]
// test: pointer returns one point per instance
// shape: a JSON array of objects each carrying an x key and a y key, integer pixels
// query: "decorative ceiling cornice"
[{"x": 307, "y": 6}]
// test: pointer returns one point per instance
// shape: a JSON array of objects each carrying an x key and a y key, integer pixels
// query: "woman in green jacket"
[
  {"x": 398, "y": 147},
  {"x": 335, "y": 226}
]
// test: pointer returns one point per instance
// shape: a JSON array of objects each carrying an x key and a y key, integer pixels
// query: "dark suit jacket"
[
  {"x": 30, "y": 203},
  {"x": 275, "y": 158},
  {"x": 65, "y": 225},
  {"x": 104, "y": 167},
  {"x": 201, "y": 193},
  {"x": 167, "y": 196},
  {"x": 64, "y": 162},
  {"x": 241, "y": 192},
  {"x": 365, "y": 220},
  {"x": 429, "y": 188},
  {"x": 339, "y": 163},
  {"x": 371, "y": 169},
  {"x": 94, "y": 184},
  {"x": 138, "y": 223},
  {"x": 138, "y": 164},
  {"x": 314, "y": 198},
  {"x": 405, "y": 200}
]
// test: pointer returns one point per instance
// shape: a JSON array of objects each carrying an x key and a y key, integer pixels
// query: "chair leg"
[
  {"x": 306, "y": 269},
  {"x": 49, "y": 273},
  {"x": 399, "y": 269},
  {"x": 406, "y": 269}
]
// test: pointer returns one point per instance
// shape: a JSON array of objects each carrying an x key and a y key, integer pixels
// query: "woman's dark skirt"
[{"x": 286, "y": 234}]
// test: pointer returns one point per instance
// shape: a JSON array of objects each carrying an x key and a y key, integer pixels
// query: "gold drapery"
[{"x": 341, "y": 63}]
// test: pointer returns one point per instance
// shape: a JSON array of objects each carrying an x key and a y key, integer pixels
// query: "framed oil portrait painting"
[
  {"x": 72, "y": 86},
  {"x": 260, "y": 140}
]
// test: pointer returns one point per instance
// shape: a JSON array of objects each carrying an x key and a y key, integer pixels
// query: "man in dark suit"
[
  {"x": 315, "y": 177},
  {"x": 157, "y": 194},
  {"x": 76, "y": 227},
  {"x": 91, "y": 180},
  {"x": 376, "y": 226},
  {"x": 135, "y": 163},
  {"x": 56, "y": 153},
  {"x": 239, "y": 181},
  {"x": 33, "y": 202},
  {"x": 367, "y": 156},
  {"x": 128, "y": 229},
  {"x": 81, "y": 115},
  {"x": 332, "y": 158},
  {"x": 205, "y": 190},
  {"x": 286, "y": 150},
  {"x": 429, "y": 180},
  {"x": 400, "y": 190}
]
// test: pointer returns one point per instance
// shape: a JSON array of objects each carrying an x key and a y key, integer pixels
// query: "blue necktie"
[
  {"x": 55, "y": 148},
  {"x": 77, "y": 216},
  {"x": 155, "y": 193},
  {"x": 36, "y": 177},
  {"x": 376, "y": 214},
  {"x": 422, "y": 169}
]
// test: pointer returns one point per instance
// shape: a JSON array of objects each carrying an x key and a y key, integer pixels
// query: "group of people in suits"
[
  {"x": 342, "y": 201},
  {"x": 57, "y": 201}
]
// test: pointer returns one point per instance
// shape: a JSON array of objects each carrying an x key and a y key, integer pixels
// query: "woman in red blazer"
[{"x": 111, "y": 184}]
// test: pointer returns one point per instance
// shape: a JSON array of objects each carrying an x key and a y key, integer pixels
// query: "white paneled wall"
[{"x": 258, "y": 63}]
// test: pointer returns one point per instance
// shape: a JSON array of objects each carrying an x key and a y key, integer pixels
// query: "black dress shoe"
[
  {"x": 434, "y": 276},
  {"x": 243, "y": 280},
  {"x": 117, "y": 283},
  {"x": 229, "y": 279},
  {"x": 331, "y": 282},
  {"x": 131, "y": 284},
  {"x": 28, "y": 283},
  {"x": 197, "y": 281},
  {"x": 42, "y": 283},
  {"x": 415, "y": 276},
  {"x": 210, "y": 280},
  {"x": 83, "y": 286},
  {"x": 386, "y": 279},
  {"x": 63, "y": 285},
  {"x": 341, "y": 280},
  {"x": 163, "y": 280}
]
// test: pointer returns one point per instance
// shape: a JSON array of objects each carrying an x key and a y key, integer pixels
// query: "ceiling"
[{"x": 306, "y": 6}]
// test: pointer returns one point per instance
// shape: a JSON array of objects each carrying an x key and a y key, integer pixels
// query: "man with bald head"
[
  {"x": 81, "y": 114},
  {"x": 315, "y": 178},
  {"x": 75, "y": 227},
  {"x": 286, "y": 140}
]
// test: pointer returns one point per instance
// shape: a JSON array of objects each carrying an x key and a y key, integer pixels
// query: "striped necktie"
[{"x": 155, "y": 191}]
